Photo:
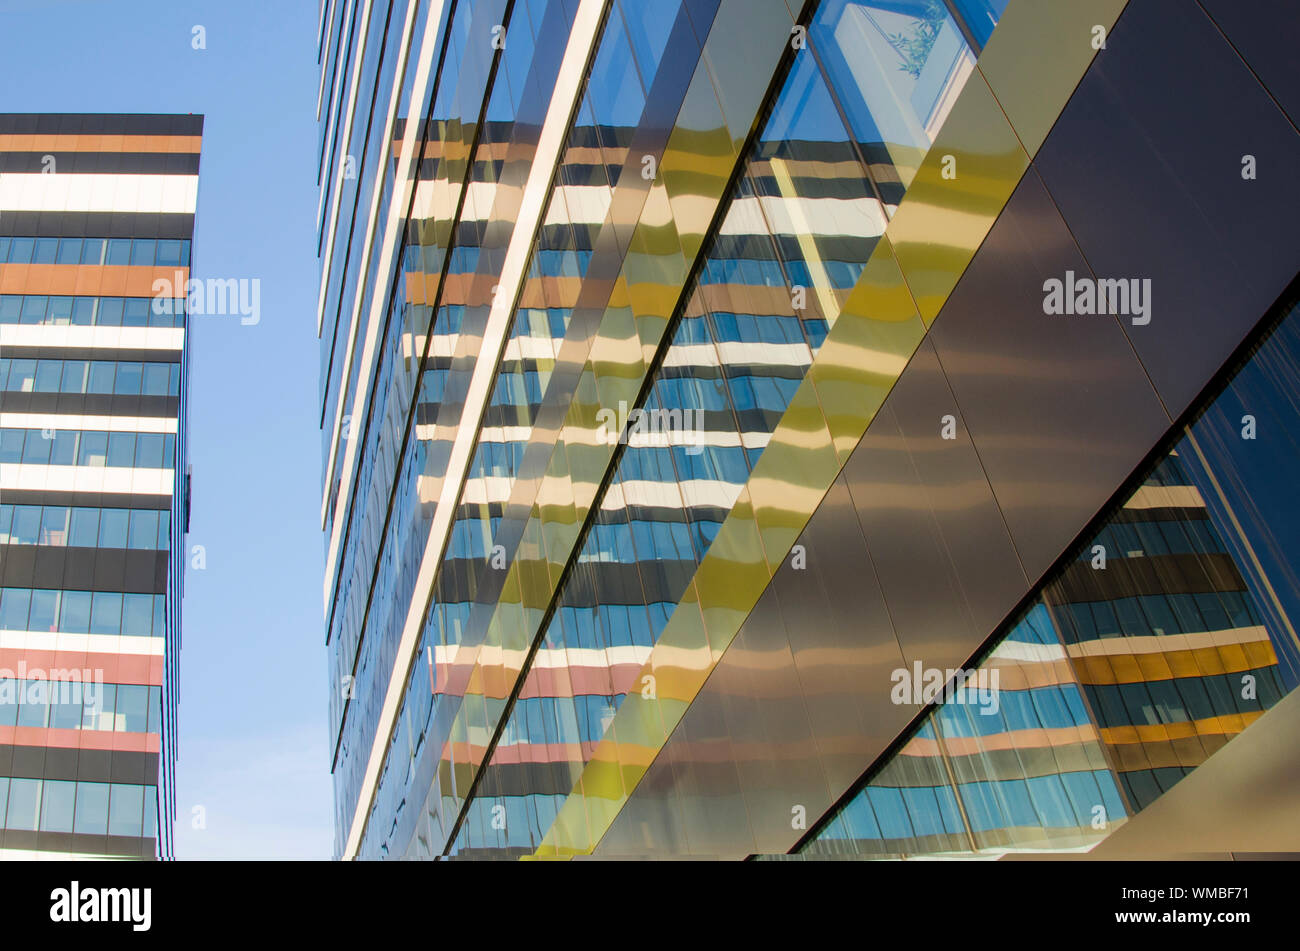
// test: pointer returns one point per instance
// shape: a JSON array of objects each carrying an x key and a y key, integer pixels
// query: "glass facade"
[
  {"x": 646, "y": 244},
  {"x": 94, "y": 510},
  {"x": 1176, "y": 636}
]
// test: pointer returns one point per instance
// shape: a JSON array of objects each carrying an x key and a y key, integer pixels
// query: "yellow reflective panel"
[
  {"x": 967, "y": 176},
  {"x": 697, "y": 164},
  {"x": 618, "y": 365},
  {"x": 731, "y": 577},
  {"x": 1038, "y": 54},
  {"x": 867, "y": 350},
  {"x": 790, "y": 478}
]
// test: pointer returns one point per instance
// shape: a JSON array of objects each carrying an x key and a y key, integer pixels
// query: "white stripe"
[
  {"x": 549, "y": 658},
  {"x": 847, "y": 217},
  {"x": 133, "y": 644},
  {"x": 99, "y": 192},
  {"x": 573, "y": 68},
  {"x": 34, "y": 476},
  {"x": 734, "y": 353},
  {"x": 106, "y": 338},
  {"x": 112, "y": 424}
]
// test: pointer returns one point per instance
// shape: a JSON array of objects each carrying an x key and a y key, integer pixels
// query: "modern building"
[
  {"x": 96, "y": 221},
  {"x": 835, "y": 428}
]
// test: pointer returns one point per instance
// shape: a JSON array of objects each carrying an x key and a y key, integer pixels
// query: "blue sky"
[{"x": 253, "y": 744}]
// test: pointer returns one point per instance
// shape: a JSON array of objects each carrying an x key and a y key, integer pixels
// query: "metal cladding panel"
[
  {"x": 1146, "y": 166},
  {"x": 842, "y": 639},
  {"x": 1251, "y": 26},
  {"x": 945, "y": 560},
  {"x": 1058, "y": 407}
]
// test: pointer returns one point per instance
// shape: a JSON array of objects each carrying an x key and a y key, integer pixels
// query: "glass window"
[
  {"x": 110, "y": 312},
  {"x": 106, "y": 613},
  {"x": 93, "y": 450},
  {"x": 169, "y": 253},
  {"x": 8, "y": 701},
  {"x": 54, "y": 525},
  {"x": 135, "y": 312},
  {"x": 74, "y": 376},
  {"x": 92, "y": 809},
  {"x": 57, "y": 804},
  {"x": 149, "y": 451},
  {"x": 156, "y": 379},
  {"x": 119, "y": 251},
  {"x": 128, "y": 379},
  {"x": 34, "y": 703},
  {"x": 14, "y": 603},
  {"x": 70, "y": 251},
  {"x": 83, "y": 311},
  {"x": 24, "y": 804},
  {"x": 132, "y": 708},
  {"x": 36, "y": 448},
  {"x": 47, "y": 251},
  {"x": 98, "y": 707},
  {"x": 21, "y": 250},
  {"x": 26, "y": 524},
  {"x": 84, "y": 530},
  {"x": 126, "y": 810},
  {"x": 11, "y": 445},
  {"x": 44, "y": 612},
  {"x": 92, "y": 251},
  {"x": 22, "y": 376},
  {"x": 101, "y": 377},
  {"x": 144, "y": 529},
  {"x": 136, "y": 614},
  {"x": 74, "y": 612},
  {"x": 63, "y": 452},
  {"x": 121, "y": 450},
  {"x": 142, "y": 251},
  {"x": 113, "y": 528}
]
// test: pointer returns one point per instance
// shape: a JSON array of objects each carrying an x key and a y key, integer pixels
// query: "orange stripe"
[
  {"x": 113, "y": 668},
  {"x": 28, "y": 142},
  {"x": 79, "y": 739},
  {"x": 90, "y": 280}
]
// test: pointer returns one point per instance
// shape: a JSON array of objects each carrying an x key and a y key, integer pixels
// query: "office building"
[
  {"x": 96, "y": 222},
  {"x": 841, "y": 428}
]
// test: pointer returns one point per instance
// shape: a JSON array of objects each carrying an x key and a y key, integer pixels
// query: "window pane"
[
  {"x": 112, "y": 528},
  {"x": 92, "y": 251},
  {"x": 70, "y": 251},
  {"x": 125, "y": 810},
  {"x": 136, "y": 614},
  {"x": 74, "y": 613},
  {"x": 57, "y": 805},
  {"x": 133, "y": 708},
  {"x": 106, "y": 613},
  {"x": 33, "y": 703},
  {"x": 119, "y": 251},
  {"x": 84, "y": 531},
  {"x": 121, "y": 449},
  {"x": 24, "y": 804},
  {"x": 92, "y": 809},
  {"x": 144, "y": 529}
]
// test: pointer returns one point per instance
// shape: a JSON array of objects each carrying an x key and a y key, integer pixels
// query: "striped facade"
[
  {"x": 687, "y": 381},
  {"x": 96, "y": 213}
]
